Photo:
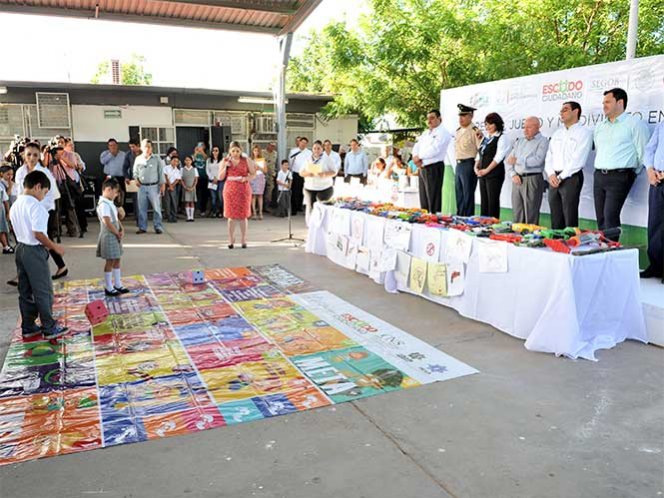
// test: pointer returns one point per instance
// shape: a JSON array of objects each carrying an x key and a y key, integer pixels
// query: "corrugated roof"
[
  {"x": 61, "y": 86},
  {"x": 261, "y": 16}
]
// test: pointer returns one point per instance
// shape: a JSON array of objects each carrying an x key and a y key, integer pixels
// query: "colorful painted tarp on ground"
[{"x": 174, "y": 358}]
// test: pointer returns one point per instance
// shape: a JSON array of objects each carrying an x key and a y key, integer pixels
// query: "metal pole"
[
  {"x": 284, "y": 47},
  {"x": 282, "y": 146},
  {"x": 632, "y": 31}
]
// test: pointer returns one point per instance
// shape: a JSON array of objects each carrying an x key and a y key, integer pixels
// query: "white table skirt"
[{"x": 557, "y": 303}]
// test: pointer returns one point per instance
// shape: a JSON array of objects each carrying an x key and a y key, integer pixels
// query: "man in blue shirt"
[
  {"x": 654, "y": 162},
  {"x": 620, "y": 141},
  {"x": 356, "y": 163},
  {"x": 113, "y": 161}
]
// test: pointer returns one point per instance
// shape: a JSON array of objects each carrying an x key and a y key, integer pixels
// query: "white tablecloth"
[{"x": 562, "y": 304}]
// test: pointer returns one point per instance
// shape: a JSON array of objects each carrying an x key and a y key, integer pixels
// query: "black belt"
[
  {"x": 526, "y": 175},
  {"x": 149, "y": 184},
  {"x": 434, "y": 164},
  {"x": 612, "y": 171},
  {"x": 467, "y": 159}
]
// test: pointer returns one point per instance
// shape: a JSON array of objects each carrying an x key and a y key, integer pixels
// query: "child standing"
[
  {"x": 4, "y": 216},
  {"x": 35, "y": 288},
  {"x": 189, "y": 182},
  {"x": 173, "y": 180},
  {"x": 109, "y": 245},
  {"x": 284, "y": 180},
  {"x": 7, "y": 179}
]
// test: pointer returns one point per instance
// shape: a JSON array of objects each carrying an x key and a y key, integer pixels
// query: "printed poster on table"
[
  {"x": 458, "y": 246},
  {"x": 403, "y": 270},
  {"x": 357, "y": 228},
  {"x": 456, "y": 279},
  {"x": 340, "y": 223},
  {"x": 431, "y": 240},
  {"x": 375, "y": 272},
  {"x": 374, "y": 228},
  {"x": 437, "y": 279},
  {"x": 492, "y": 257},
  {"x": 397, "y": 234},
  {"x": 388, "y": 259},
  {"x": 418, "y": 275},
  {"x": 363, "y": 259}
]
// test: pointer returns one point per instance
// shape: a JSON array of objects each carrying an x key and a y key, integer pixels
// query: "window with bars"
[{"x": 162, "y": 138}]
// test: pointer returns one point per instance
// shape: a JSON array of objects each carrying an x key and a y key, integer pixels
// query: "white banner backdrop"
[{"x": 542, "y": 95}]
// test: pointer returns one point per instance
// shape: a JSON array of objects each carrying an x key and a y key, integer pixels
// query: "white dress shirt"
[
  {"x": 568, "y": 151},
  {"x": 297, "y": 158},
  {"x": 432, "y": 145},
  {"x": 317, "y": 183},
  {"x": 53, "y": 193},
  {"x": 173, "y": 174},
  {"x": 28, "y": 215},
  {"x": 336, "y": 158}
]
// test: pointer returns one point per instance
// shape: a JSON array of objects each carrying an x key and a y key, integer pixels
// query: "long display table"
[{"x": 558, "y": 303}]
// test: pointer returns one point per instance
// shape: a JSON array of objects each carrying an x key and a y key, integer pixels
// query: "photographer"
[
  {"x": 81, "y": 216},
  {"x": 52, "y": 198},
  {"x": 64, "y": 168}
]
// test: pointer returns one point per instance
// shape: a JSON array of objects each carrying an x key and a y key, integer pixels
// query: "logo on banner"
[
  {"x": 602, "y": 85},
  {"x": 479, "y": 100},
  {"x": 562, "y": 90},
  {"x": 431, "y": 249},
  {"x": 643, "y": 80}
]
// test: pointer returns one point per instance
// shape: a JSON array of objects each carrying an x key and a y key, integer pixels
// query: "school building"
[{"x": 180, "y": 117}]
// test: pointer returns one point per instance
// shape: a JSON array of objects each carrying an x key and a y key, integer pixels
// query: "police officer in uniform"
[{"x": 468, "y": 139}]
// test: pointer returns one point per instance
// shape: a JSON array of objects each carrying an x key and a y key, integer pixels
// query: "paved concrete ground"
[{"x": 529, "y": 425}]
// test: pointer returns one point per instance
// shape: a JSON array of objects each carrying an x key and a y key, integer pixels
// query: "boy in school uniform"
[
  {"x": 284, "y": 181},
  {"x": 173, "y": 177},
  {"x": 30, "y": 222}
]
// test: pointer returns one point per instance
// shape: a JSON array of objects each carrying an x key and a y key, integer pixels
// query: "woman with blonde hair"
[
  {"x": 237, "y": 171},
  {"x": 258, "y": 183}
]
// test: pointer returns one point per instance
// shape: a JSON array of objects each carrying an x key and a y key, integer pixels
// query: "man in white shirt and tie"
[
  {"x": 429, "y": 156},
  {"x": 568, "y": 152},
  {"x": 298, "y": 159}
]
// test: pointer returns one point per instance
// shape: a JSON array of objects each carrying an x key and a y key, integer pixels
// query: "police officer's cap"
[{"x": 465, "y": 109}]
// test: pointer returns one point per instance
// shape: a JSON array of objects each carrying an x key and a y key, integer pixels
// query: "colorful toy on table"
[
  {"x": 531, "y": 240},
  {"x": 563, "y": 233},
  {"x": 596, "y": 237},
  {"x": 557, "y": 245},
  {"x": 512, "y": 238},
  {"x": 502, "y": 227},
  {"x": 525, "y": 228}
]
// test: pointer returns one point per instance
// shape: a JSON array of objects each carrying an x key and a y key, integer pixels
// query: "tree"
[
  {"x": 132, "y": 72},
  {"x": 405, "y": 51}
]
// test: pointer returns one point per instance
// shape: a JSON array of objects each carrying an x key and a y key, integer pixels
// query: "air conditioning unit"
[
  {"x": 53, "y": 110},
  {"x": 303, "y": 121}
]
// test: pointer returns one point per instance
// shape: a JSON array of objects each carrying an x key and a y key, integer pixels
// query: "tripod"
[{"x": 290, "y": 237}]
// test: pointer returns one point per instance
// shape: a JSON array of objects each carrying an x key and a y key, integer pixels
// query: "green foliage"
[
  {"x": 405, "y": 51},
  {"x": 132, "y": 72}
]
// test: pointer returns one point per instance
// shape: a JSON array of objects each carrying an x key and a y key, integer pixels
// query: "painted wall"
[{"x": 91, "y": 126}]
